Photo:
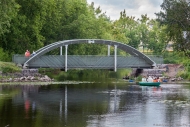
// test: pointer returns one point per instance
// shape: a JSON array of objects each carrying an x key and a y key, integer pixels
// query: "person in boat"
[
  {"x": 150, "y": 79},
  {"x": 155, "y": 80},
  {"x": 144, "y": 79},
  {"x": 158, "y": 79}
]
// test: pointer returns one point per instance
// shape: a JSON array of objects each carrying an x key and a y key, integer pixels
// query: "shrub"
[
  {"x": 7, "y": 67},
  {"x": 4, "y": 55}
]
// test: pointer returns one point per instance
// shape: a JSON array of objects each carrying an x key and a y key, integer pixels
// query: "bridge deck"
[{"x": 86, "y": 61}]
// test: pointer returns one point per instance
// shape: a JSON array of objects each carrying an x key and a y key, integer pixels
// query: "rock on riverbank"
[{"x": 26, "y": 75}]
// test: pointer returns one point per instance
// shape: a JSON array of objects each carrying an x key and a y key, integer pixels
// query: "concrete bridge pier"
[
  {"x": 66, "y": 47},
  {"x": 61, "y": 51},
  {"x": 115, "y": 58},
  {"x": 108, "y": 50}
]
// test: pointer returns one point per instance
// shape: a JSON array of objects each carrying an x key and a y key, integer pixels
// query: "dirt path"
[{"x": 173, "y": 69}]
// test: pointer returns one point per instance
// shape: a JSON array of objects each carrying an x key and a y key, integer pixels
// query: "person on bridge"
[
  {"x": 27, "y": 53},
  {"x": 33, "y": 53}
]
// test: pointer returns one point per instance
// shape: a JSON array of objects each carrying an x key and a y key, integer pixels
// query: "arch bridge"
[{"x": 135, "y": 60}]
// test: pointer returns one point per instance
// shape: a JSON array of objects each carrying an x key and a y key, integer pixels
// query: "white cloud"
[{"x": 133, "y": 7}]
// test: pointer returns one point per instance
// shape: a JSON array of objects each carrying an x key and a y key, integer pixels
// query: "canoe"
[
  {"x": 130, "y": 80},
  {"x": 149, "y": 83}
]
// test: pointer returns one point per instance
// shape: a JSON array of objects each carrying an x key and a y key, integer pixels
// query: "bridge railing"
[
  {"x": 19, "y": 59},
  {"x": 158, "y": 59}
]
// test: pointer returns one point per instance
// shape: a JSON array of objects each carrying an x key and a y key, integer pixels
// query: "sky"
[{"x": 132, "y": 7}]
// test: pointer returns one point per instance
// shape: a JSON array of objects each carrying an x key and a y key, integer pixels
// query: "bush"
[
  {"x": 172, "y": 57},
  {"x": 170, "y": 61},
  {"x": 183, "y": 74},
  {"x": 7, "y": 67},
  {"x": 61, "y": 77},
  {"x": 4, "y": 56},
  {"x": 139, "y": 78}
]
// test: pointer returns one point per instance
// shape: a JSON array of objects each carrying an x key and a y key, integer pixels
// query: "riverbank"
[
  {"x": 43, "y": 83},
  {"x": 80, "y": 82},
  {"x": 168, "y": 72},
  {"x": 33, "y": 76},
  {"x": 25, "y": 75}
]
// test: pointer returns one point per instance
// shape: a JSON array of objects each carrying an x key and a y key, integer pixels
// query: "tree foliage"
[
  {"x": 142, "y": 32},
  {"x": 8, "y": 10},
  {"x": 175, "y": 15},
  {"x": 32, "y": 24}
]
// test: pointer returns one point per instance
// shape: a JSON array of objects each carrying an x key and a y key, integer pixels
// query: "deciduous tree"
[{"x": 175, "y": 15}]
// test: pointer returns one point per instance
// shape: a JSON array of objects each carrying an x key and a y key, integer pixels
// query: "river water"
[{"x": 95, "y": 105}]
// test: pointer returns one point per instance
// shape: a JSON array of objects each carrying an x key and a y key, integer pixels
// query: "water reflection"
[
  {"x": 66, "y": 103},
  {"x": 113, "y": 100},
  {"x": 92, "y": 105}
]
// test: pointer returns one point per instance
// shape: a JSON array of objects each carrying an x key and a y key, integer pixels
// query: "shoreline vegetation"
[
  {"x": 13, "y": 75},
  {"x": 79, "y": 82},
  {"x": 43, "y": 83}
]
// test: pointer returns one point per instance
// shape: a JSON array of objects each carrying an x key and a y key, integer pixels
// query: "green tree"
[
  {"x": 158, "y": 38},
  {"x": 152, "y": 36},
  {"x": 4, "y": 55},
  {"x": 8, "y": 10},
  {"x": 119, "y": 28},
  {"x": 132, "y": 33},
  {"x": 175, "y": 15},
  {"x": 25, "y": 27},
  {"x": 55, "y": 19},
  {"x": 85, "y": 22},
  {"x": 143, "y": 29}
]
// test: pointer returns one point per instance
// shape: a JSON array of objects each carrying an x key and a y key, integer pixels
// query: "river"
[{"x": 95, "y": 105}]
